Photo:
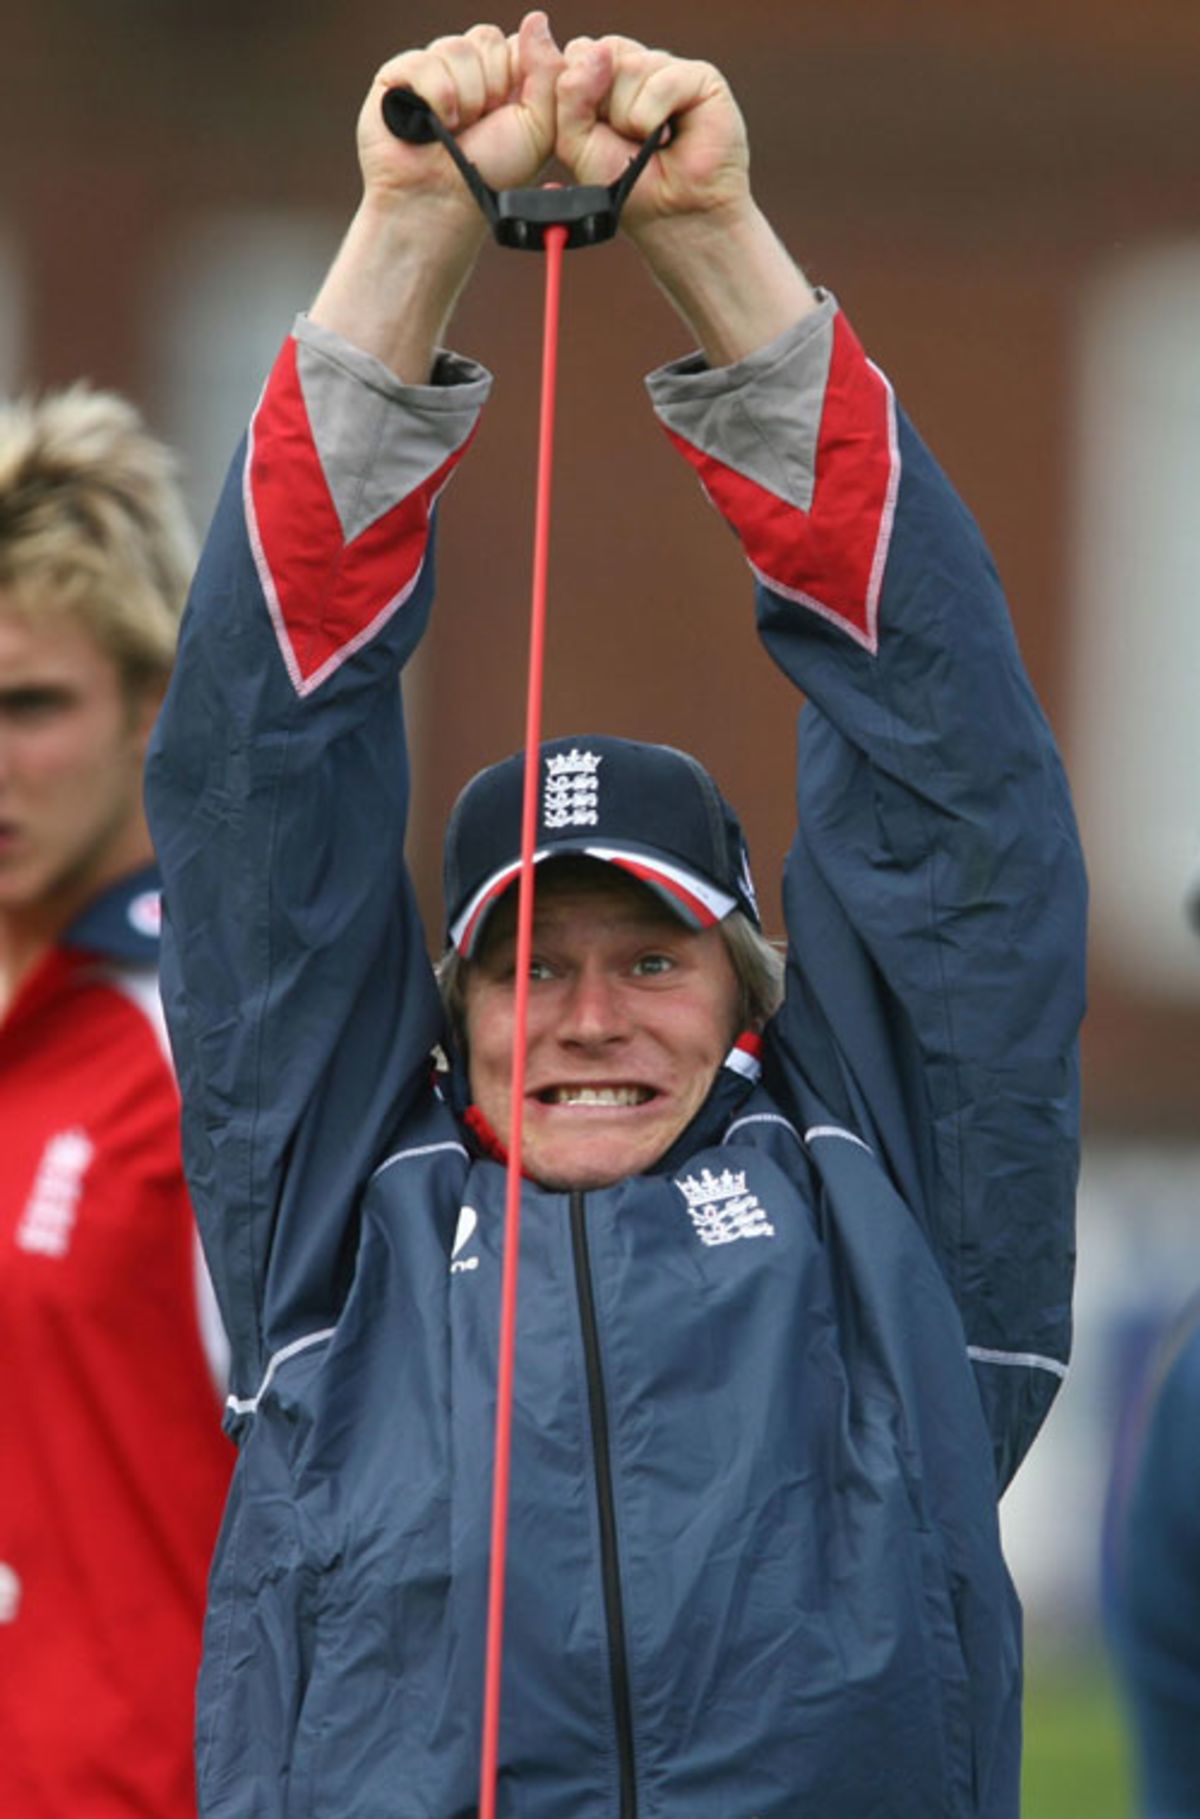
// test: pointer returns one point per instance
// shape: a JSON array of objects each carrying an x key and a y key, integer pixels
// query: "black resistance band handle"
[{"x": 519, "y": 218}]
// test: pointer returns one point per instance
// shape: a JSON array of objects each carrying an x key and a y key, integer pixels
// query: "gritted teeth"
[{"x": 596, "y": 1095}]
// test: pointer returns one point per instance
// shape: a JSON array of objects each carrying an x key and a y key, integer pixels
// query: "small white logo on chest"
[
  {"x": 468, "y": 1219},
  {"x": 572, "y": 789},
  {"x": 721, "y": 1209},
  {"x": 10, "y": 1593},
  {"x": 53, "y": 1205}
]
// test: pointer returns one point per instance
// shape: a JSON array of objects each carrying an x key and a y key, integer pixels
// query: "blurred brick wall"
[{"x": 955, "y": 173}]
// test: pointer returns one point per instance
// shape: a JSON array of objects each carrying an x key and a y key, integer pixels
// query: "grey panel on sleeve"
[
  {"x": 761, "y": 416},
  {"x": 377, "y": 438}
]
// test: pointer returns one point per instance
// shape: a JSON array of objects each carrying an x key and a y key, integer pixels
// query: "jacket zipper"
[{"x": 602, "y": 1462}]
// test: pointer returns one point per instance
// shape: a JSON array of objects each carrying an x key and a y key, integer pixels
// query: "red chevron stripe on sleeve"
[
  {"x": 327, "y": 598},
  {"x": 830, "y": 558}
]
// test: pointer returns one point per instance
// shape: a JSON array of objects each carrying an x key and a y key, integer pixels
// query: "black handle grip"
[
  {"x": 519, "y": 217},
  {"x": 409, "y": 116}
]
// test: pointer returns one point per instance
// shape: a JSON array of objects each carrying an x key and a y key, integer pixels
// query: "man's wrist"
[
  {"x": 728, "y": 276},
  {"x": 397, "y": 275}
]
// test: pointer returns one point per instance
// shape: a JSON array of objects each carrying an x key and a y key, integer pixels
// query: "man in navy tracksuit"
[{"x": 794, "y": 1282}]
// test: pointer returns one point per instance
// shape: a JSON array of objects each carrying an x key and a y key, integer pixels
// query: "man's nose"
[{"x": 594, "y": 1009}]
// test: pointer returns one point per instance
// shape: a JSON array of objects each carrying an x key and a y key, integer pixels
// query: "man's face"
[
  {"x": 630, "y": 1016},
  {"x": 71, "y": 751}
]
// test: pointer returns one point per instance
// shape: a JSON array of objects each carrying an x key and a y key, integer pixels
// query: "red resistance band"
[
  {"x": 549, "y": 218},
  {"x": 555, "y": 241}
]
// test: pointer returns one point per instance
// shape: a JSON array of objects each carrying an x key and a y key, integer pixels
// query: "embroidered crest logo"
[
  {"x": 721, "y": 1209},
  {"x": 572, "y": 789},
  {"x": 48, "y": 1220}
]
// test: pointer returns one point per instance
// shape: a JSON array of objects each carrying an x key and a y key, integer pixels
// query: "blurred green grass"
[{"x": 1077, "y": 1754}]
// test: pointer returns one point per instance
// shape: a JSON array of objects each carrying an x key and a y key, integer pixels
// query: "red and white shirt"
[{"x": 113, "y": 1465}]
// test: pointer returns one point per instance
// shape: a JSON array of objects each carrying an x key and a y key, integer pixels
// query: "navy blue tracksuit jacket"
[{"x": 767, "y": 1394}]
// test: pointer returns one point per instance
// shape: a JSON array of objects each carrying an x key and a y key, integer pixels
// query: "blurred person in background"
[
  {"x": 1154, "y": 1566},
  {"x": 1155, "y": 1607},
  {"x": 114, "y": 1464}
]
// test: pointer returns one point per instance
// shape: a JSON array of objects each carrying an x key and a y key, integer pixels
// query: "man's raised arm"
[
  {"x": 298, "y": 990},
  {"x": 935, "y": 892}
]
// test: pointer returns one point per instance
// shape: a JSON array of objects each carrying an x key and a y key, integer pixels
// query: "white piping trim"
[
  {"x": 246, "y": 1405},
  {"x": 717, "y": 902},
  {"x": 762, "y": 1118},
  {"x": 265, "y": 578},
  {"x": 424, "y": 1149},
  {"x": 362, "y": 638},
  {"x": 835, "y": 1130},
  {"x": 887, "y": 517},
  {"x": 1034, "y": 1361},
  {"x": 868, "y": 638},
  {"x": 459, "y": 928}
]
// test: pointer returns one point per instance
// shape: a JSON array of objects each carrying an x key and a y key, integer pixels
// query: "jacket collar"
[{"x": 123, "y": 922}]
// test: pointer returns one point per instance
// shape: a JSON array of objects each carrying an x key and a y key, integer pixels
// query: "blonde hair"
[{"x": 92, "y": 523}]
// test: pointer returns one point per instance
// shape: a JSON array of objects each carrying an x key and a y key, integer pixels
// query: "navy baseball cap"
[{"x": 650, "y": 810}]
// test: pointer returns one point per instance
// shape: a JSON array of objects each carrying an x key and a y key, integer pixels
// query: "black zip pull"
[{"x": 518, "y": 218}]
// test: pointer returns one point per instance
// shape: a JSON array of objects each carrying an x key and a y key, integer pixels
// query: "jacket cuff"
[
  {"x": 760, "y": 416},
  {"x": 458, "y": 383}
]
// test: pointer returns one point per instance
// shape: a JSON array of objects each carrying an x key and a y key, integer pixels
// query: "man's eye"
[
  {"x": 538, "y": 970},
  {"x": 651, "y": 965},
  {"x": 31, "y": 703}
]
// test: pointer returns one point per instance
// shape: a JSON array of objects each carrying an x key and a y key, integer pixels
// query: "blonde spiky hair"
[{"x": 92, "y": 523}]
